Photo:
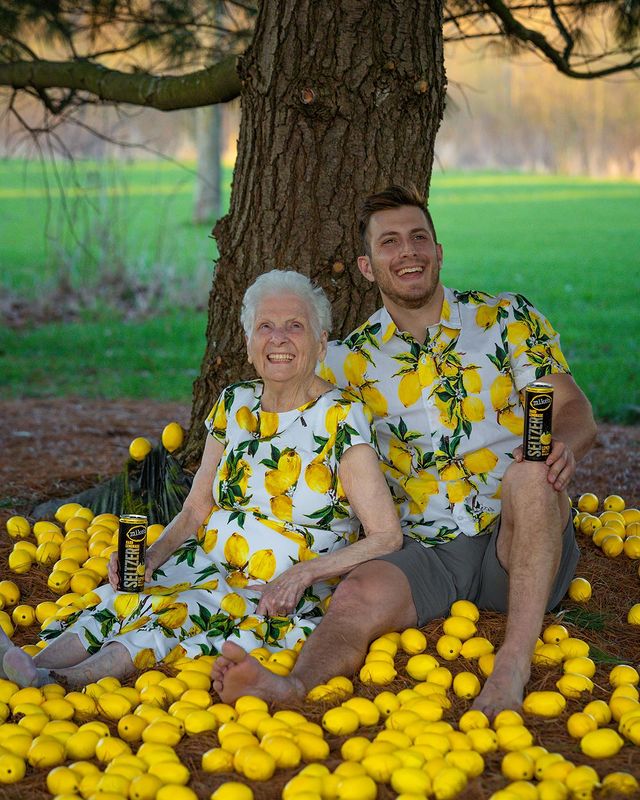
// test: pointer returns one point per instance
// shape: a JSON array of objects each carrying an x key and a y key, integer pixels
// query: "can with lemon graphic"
[
  {"x": 132, "y": 541},
  {"x": 538, "y": 409}
]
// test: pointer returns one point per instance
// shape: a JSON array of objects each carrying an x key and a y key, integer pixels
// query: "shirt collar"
[{"x": 450, "y": 317}]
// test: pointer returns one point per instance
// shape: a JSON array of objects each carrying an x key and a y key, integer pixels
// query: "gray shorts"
[{"x": 467, "y": 568}]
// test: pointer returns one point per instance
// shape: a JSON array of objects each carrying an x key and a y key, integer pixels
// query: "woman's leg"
[
  {"x": 113, "y": 659},
  {"x": 19, "y": 667}
]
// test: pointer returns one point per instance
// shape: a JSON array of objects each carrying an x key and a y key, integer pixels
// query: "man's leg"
[
  {"x": 533, "y": 519},
  {"x": 373, "y": 599}
]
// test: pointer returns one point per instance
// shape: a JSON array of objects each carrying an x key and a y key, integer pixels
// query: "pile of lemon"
[
  {"x": 615, "y": 530},
  {"x": 111, "y": 742}
]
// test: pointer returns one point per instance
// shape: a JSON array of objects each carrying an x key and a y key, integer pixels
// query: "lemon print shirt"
[
  {"x": 447, "y": 411},
  {"x": 277, "y": 500}
]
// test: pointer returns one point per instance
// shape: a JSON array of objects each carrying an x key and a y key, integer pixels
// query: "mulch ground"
[{"x": 54, "y": 448}]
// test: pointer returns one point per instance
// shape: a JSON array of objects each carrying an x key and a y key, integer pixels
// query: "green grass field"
[{"x": 570, "y": 244}]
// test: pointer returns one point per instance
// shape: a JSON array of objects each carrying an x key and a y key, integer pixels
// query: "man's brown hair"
[{"x": 392, "y": 196}]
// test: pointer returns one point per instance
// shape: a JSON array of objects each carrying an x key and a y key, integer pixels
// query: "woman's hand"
[
  {"x": 281, "y": 595},
  {"x": 152, "y": 561}
]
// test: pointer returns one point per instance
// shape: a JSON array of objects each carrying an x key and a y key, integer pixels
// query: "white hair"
[{"x": 279, "y": 281}]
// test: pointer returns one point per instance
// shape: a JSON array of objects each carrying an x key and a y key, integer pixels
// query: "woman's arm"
[
  {"x": 194, "y": 510},
  {"x": 370, "y": 498}
]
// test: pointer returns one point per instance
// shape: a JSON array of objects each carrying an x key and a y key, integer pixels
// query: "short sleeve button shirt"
[{"x": 447, "y": 411}]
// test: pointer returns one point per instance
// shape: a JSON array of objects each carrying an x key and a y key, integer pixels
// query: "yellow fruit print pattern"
[
  {"x": 276, "y": 500},
  {"x": 452, "y": 408}
]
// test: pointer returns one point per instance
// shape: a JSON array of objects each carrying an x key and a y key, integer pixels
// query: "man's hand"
[
  {"x": 281, "y": 595},
  {"x": 561, "y": 462}
]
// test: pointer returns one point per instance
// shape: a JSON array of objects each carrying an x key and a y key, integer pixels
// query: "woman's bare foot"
[
  {"x": 18, "y": 667},
  {"x": 235, "y": 673}
]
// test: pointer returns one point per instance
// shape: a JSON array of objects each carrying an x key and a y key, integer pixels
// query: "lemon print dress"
[{"x": 277, "y": 500}]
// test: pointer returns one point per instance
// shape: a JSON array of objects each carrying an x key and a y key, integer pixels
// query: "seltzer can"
[
  {"x": 538, "y": 408},
  {"x": 132, "y": 543}
]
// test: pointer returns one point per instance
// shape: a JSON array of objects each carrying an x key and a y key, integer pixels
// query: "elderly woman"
[{"x": 287, "y": 476}]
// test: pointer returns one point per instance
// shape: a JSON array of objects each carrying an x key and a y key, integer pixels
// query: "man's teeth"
[{"x": 408, "y": 270}]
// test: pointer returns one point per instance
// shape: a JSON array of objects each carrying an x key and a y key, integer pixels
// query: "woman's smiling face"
[{"x": 283, "y": 345}]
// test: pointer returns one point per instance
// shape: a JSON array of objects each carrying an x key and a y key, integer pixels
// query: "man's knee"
[
  {"x": 525, "y": 485},
  {"x": 376, "y": 590}
]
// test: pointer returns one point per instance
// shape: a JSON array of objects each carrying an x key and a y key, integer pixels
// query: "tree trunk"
[{"x": 338, "y": 100}]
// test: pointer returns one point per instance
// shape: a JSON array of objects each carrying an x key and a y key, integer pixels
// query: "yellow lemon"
[
  {"x": 448, "y": 646},
  {"x": 448, "y": 782},
  {"x": 82, "y": 744},
  {"x": 580, "y": 590},
  {"x": 619, "y": 783},
  {"x": 62, "y": 780},
  {"x": 573, "y": 648},
  {"x": 172, "y": 772},
  {"x": 513, "y": 737},
  {"x": 172, "y": 436},
  {"x": 18, "y": 527},
  {"x": 548, "y": 655},
  {"x": 544, "y": 704},
  {"x": 623, "y": 674},
  {"x": 599, "y": 710},
  {"x": 466, "y": 685},
  {"x": 199, "y": 721},
  {"x": 233, "y": 790},
  {"x": 632, "y": 545},
  {"x": 475, "y": 647},
  {"x": 19, "y": 561},
  {"x": 45, "y": 751},
  {"x": 312, "y": 747},
  {"x": 612, "y": 545},
  {"x": 419, "y": 666},
  {"x": 255, "y": 763},
  {"x": 409, "y": 780},
  {"x": 367, "y": 711},
  {"x": 130, "y": 727},
  {"x": 23, "y": 616},
  {"x": 613, "y": 503},
  {"x": 554, "y": 634},
  {"x": 483, "y": 740},
  {"x": 580, "y": 723},
  {"x": 139, "y": 448},
  {"x": 217, "y": 760},
  {"x": 413, "y": 641},
  {"x": 377, "y": 672},
  {"x": 9, "y": 592},
  {"x": 172, "y": 791},
  {"x": 340, "y": 721},
  {"x": 588, "y": 502},
  {"x": 580, "y": 665},
  {"x": 109, "y": 747},
  {"x": 485, "y": 663},
  {"x": 12, "y": 768},
  {"x": 113, "y": 706},
  {"x": 573, "y": 685},
  {"x": 460, "y": 627},
  {"x": 465, "y": 608},
  {"x": 603, "y": 743},
  {"x": 633, "y": 615}
]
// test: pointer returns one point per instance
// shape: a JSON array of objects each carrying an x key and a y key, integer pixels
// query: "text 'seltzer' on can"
[
  {"x": 538, "y": 408},
  {"x": 132, "y": 543}
]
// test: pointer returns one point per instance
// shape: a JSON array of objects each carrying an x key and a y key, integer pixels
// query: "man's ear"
[
  {"x": 364, "y": 265},
  {"x": 439, "y": 254}
]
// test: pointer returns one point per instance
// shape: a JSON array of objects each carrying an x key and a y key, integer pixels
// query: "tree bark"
[{"x": 338, "y": 100}]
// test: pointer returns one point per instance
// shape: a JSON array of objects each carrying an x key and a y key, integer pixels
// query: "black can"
[
  {"x": 132, "y": 544},
  {"x": 538, "y": 410}
]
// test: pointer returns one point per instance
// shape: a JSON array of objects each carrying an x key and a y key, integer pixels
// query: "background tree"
[{"x": 337, "y": 99}]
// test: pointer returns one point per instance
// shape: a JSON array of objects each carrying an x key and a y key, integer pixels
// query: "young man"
[{"x": 441, "y": 372}]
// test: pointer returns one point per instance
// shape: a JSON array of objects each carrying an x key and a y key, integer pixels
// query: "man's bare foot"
[
  {"x": 236, "y": 673},
  {"x": 504, "y": 688}
]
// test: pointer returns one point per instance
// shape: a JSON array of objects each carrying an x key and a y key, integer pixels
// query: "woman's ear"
[
  {"x": 246, "y": 342},
  {"x": 324, "y": 338}
]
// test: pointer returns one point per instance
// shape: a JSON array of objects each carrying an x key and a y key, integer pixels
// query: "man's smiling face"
[{"x": 404, "y": 259}]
